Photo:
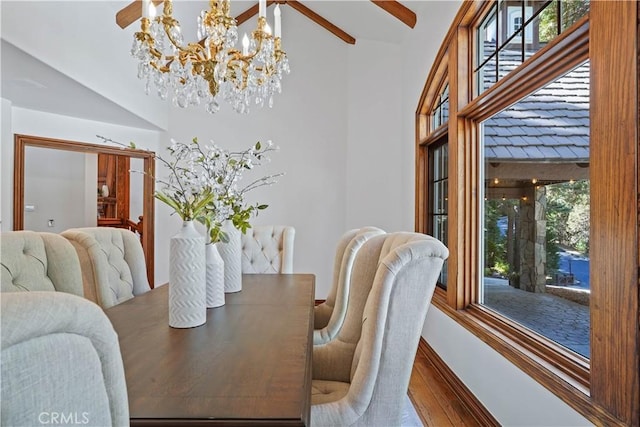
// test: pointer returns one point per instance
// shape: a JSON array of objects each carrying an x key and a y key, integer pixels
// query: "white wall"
[
  {"x": 95, "y": 41},
  {"x": 309, "y": 123},
  {"x": 135, "y": 184},
  {"x": 6, "y": 168},
  {"x": 90, "y": 188},
  {"x": 374, "y": 193},
  {"x": 511, "y": 396},
  {"x": 55, "y": 180}
]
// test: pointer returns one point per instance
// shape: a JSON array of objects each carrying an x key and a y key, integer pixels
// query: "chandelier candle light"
[{"x": 212, "y": 68}]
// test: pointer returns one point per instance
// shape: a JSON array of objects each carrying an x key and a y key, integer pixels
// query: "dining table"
[{"x": 249, "y": 364}]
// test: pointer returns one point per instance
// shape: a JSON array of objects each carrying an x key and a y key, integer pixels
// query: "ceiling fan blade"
[
  {"x": 131, "y": 13},
  {"x": 321, "y": 21},
  {"x": 398, "y": 10}
]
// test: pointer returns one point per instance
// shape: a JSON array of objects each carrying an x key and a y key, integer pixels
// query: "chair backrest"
[
  {"x": 33, "y": 261},
  {"x": 375, "y": 348},
  {"x": 61, "y": 362},
  {"x": 329, "y": 316},
  {"x": 268, "y": 249},
  {"x": 112, "y": 263}
]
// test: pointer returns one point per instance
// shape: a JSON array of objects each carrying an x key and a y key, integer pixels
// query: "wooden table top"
[{"x": 249, "y": 364}]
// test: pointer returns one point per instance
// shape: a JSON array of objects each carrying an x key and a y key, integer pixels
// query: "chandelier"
[{"x": 212, "y": 68}]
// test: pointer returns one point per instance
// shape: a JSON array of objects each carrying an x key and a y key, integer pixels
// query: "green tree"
[
  {"x": 553, "y": 258},
  {"x": 495, "y": 260},
  {"x": 578, "y": 227},
  {"x": 568, "y": 215},
  {"x": 494, "y": 243},
  {"x": 571, "y": 11}
]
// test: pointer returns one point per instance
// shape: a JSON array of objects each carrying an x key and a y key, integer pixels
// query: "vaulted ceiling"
[{"x": 42, "y": 67}]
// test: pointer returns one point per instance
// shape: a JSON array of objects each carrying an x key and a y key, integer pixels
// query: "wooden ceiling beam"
[
  {"x": 133, "y": 11},
  {"x": 398, "y": 10},
  {"x": 321, "y": 21},
  {"x": 253, "y": 10}
]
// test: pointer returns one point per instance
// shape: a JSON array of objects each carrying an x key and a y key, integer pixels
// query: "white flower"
[{"x": 203, "y": 182}]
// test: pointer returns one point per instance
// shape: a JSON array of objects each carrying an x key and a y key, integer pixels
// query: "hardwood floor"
[{"x": 434, "y": 399}]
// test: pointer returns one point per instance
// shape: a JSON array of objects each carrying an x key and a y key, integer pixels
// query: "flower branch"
[{"x": 203, "y": 183}]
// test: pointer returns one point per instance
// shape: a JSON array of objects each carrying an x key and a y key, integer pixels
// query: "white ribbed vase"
[
  {"x": 187, "y": 274},
  {"x": 231, "y": 254},
  {"x": 215, "y": 276}
]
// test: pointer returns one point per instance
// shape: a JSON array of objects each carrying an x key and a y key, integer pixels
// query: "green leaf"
[
  {"x": 203, "y": 202},
  {"x": 262, "y": 207},
  {"x": 132, "y": 144},
  {"x": 174, "y": 204},
  {"x": 215, "y": 234},
  {"x": 258, "y": 146},
  {"x": 223, "y": 236}
]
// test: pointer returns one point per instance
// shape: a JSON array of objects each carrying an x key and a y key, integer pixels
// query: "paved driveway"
[{"x": 558, "y": 319}]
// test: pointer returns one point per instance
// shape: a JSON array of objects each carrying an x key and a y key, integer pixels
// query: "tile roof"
[{"x": 551, "y": 124}]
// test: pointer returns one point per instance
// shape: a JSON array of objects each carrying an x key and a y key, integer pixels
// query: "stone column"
[
  {"x": 532, "y": 241},
  {"x": 511, "y": 217}
]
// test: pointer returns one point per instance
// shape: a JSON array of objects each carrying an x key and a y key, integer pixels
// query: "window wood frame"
[
  {"x": 426, "y": 136},
  {"x": 605, "y": 390}
]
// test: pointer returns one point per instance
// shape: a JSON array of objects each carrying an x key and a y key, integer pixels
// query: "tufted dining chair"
[
  {"x": 112, "y": 264},
  {"x": 268, "y": 249},
  {"x": 329, "y": 316},
  {"x": 60, "y": 358},
  {"x": 361, "y": 377},
  {"x": 35, "y": 261}
]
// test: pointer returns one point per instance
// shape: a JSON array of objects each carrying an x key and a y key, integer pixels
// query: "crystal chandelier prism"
[{"x": 211, "y": 69}]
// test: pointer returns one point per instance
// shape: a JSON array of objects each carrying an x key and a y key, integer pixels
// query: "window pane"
[
  {"x": 445, "y": 104},
  {"x": 509, "y": 59},
  {"x": 532, "y": 7},
  {"x": 440, "y": 204},
  {"x": 444, "y": 166},
  {"x": 437, "y": 198},
  {"x": 547, "y": 23},
  {"x": 572, "y": 11},
  {"x": 441, "y": 234},
  {"x": 486, "y": 76},
  {"x": 542, "y": 28},
  {"x": 515, "y": 22},
  {"x": 503, "y": 23},
  {"x": 436, "y": 119},
  {"x": 487, "y": 37},
  {"x": 520, "y": 27},
  {"x": 438, "y": 160},
  {"x": 536, "y": 211},
  {"x": 441, "y": 111}
]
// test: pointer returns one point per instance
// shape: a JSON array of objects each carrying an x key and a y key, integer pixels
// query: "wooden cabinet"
[{"x": 113, "y": 186}]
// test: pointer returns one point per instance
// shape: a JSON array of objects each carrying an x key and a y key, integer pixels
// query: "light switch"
[{"x": 29, "y": 208}]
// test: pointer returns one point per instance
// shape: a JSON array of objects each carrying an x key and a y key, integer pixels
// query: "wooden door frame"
[{"x": 148, "y": 202}]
